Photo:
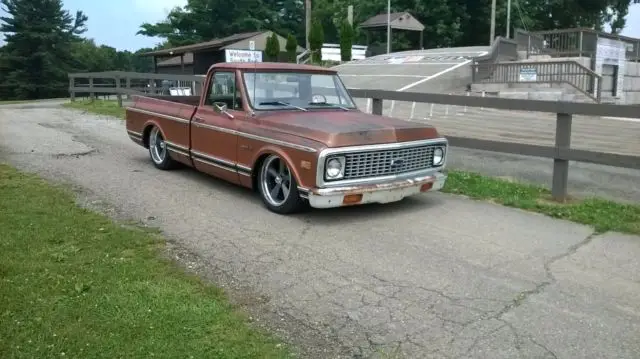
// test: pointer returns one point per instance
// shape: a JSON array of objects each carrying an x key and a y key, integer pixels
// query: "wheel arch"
[
  {"x": 147, "y": 130},
  {"x": 259, "y": 160}
]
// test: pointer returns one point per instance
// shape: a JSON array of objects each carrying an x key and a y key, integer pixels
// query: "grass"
[
  {"x": 74, "y": 284},
  {"x": 100, "y": 107},
  {"x": 603, "y": 215}
]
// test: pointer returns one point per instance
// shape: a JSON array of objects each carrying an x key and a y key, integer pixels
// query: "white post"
[
  {"x": 492, "y": 32},
  {"x": 369, "y": 105},
  {"x": 413, "y": 110},
  {"x": 389, "y": 26},
  {"x": 431, "y": 111},
  {"x": 508, "y": 19}
]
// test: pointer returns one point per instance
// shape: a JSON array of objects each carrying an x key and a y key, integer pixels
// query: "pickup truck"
[{"x": 292, "y": 133}]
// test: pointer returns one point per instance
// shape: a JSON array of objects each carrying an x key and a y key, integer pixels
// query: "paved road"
[{"x": 432, "y": 277}]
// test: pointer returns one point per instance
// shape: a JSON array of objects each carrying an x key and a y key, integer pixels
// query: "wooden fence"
[{"x": 561, "y": 152}]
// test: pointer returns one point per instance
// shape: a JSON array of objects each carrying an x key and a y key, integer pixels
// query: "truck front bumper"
[{"x": 375, "y": 193}]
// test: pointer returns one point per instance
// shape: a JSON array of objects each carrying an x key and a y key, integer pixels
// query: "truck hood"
[{"x": 352, "y": 128}]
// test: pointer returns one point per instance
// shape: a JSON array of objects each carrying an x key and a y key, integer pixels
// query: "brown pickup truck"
[{"x": 292, "y": 133}]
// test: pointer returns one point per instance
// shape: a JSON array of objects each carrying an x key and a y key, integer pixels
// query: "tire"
[
  {"x": 158, "y": 150},
  {"x": 278, "y": 187}
]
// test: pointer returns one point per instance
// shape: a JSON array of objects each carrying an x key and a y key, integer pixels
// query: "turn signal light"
[
  {"x": 425, "y": 187},
  {"x": 352, "y": 198}
]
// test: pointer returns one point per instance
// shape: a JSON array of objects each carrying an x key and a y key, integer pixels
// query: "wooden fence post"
[
  {"x": 72, "y": 84},
  {"x": 376, "y": 107},
  {"x": 559, "y": 189},
  {"x": 118, "y": 93},
  {"x": 128, "y": 85},
  {"x": 92, "y": 95}
]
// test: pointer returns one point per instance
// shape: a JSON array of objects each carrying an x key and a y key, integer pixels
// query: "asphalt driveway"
[{"x": 436, "y": 276}]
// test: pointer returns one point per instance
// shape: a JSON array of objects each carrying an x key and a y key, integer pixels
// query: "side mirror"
[{"x": 221, "y": 107}]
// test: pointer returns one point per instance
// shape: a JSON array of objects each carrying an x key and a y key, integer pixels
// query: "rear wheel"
[
  {"x": 278, "y": 187},
  {"x": 158, "y": 150}
]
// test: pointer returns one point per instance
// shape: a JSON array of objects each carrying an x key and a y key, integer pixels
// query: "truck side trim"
[
  {"x": 229, "y": 131},
  {"x": 220, "y": 163},
  {"x": 156, "y": 114}
]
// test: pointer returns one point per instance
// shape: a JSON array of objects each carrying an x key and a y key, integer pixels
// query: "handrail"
[{"x": 570, "y": 72}]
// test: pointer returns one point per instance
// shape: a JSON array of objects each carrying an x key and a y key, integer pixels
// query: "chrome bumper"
[{"x": 376, "y": 193}]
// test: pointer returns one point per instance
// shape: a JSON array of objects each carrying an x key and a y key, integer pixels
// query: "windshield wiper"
[
  {"x": 276, "y": 103},
  {"x": 329, "y": 104}
]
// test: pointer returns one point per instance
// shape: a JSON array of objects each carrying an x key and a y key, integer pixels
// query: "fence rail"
[
  {"x": 561, "y": 152},
  {"x": 569, "y": 72}
]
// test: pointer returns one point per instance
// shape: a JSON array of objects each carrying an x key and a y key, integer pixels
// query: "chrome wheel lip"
[
  {"x": 275, "y": 173},
  {"x": 157, "y": 146}
]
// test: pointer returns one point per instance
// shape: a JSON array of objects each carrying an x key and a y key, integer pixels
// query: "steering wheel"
[{"x": 317, "y": 98}]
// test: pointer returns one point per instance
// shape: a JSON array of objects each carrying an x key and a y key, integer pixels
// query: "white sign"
[
  {"x": 528, "y": 74},
  {"x": 242, "y": 55},
  {"x": 613, "y": 53},
  {"x": 252, "y": 45}
]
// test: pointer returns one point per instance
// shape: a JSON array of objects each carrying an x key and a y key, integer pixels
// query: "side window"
[{"x": 223, "y": 89}]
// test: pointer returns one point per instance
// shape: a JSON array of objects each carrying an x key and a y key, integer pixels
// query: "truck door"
[{"x": 214, "y": 125}]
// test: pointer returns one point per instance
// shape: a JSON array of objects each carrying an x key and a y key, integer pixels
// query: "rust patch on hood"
[{"x": 337, "y": 128}]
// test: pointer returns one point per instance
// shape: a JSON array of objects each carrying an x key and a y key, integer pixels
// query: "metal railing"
[
  {"x": 568, "y": 72},
  {"x": 571, "y": 43},
  {"x": 502, "y": 49},
  {"x": 561, "y": 152}
]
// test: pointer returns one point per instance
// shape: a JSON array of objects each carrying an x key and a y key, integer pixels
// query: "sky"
[{"x": 115, "y": 22}]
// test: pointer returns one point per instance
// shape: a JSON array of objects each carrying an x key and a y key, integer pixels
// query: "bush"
[
  {"x": 291, "y": 47},
  {"x": 316, "y": 39},
  {"x": 272, "y": 47},
  {"x": 346, "y": 40}
]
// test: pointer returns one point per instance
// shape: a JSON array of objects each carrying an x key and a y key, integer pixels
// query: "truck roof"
[{"x": 283, "y": 66}]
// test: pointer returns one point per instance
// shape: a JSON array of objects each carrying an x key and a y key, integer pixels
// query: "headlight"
[
  {"x": 334, "y": 168},
  {"x": 438, "y": 156}
]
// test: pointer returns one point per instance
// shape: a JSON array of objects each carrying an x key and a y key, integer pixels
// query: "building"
[{"x": 197, "y": 58}]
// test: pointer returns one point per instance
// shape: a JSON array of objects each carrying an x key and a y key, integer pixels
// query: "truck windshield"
[{"x": 295, "y": 90}]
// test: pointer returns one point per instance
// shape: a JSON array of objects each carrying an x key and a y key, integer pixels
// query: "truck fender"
[{"x": 272, "y": 150}]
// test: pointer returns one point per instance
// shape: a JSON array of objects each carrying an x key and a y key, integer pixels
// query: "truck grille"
[{"x": 388, "y": 162}]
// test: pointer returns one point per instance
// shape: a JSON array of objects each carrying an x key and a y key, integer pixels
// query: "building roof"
[
  {"x": 398, "y": 20},
  {"x": 208, "y": 45},
  {"x": 176, "y": 61}
]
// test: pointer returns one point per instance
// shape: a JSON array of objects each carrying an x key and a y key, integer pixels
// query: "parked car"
[{"x": 293, "y": 133}]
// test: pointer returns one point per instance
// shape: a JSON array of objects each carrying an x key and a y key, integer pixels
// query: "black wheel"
[
  {"x": 278, "y": 187},
  {"x": 158, "y": 150}
]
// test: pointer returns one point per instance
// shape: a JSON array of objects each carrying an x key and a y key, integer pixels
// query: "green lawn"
[
  {"x": 73, "y": 284},
  {"x": 101, "y": 107},
  {"x": 601, "y": 214}
]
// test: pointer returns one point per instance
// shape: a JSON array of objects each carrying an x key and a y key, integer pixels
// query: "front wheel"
[
  {"x": 158, "y": 150},
  {"x": 278, "y": 187}
]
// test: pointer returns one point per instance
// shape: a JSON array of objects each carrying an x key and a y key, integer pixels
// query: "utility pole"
[
  {"x": 389, "y": 26},
  {"x": 307, "y": 10},
  {"x": 508, "y": 19},
  {"x": 492, "y": 33}
]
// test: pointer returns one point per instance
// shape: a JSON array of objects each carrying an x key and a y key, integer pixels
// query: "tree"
[
  {"x": 272, "y": 48},
  {"x": 37, "y": 56},
  {"x": 316, "y": 40},
  {"x": 346, "y": 41},
  {"x": 205, "y": 20},
  {"x": 291, "y": 47}
]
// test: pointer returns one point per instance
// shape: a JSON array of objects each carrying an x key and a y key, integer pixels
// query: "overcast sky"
[{"x": 115, "y": 22}]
